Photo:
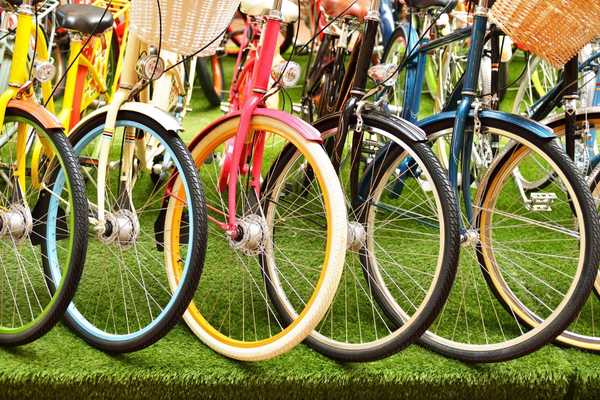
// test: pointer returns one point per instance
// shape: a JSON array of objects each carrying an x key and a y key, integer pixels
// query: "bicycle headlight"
[
  {"x": 150, "y": 67},
  {"x": 44, "y": 71},
  {"x": 289, "y": 72},
  {"x": 384, "y": 73}
]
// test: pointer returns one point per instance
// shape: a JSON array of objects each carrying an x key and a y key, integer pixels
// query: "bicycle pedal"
[{"x": 541, "y": 201}]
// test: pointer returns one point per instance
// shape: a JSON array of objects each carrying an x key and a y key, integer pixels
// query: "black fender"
[{"x": 388, "y": 125}]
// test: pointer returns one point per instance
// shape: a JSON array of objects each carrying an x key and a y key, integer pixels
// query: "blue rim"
[{"x": 80, "y": 321}]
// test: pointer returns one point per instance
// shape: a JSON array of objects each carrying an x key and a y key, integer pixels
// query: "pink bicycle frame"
[{"x": 257, "y": 88}]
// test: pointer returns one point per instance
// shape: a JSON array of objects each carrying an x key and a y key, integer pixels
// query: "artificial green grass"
[{"x": 179, "y": 366}]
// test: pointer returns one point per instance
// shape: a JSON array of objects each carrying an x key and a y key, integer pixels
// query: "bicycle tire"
[
  {"x": 49, "y": 227},
  {"x": 355, "y": 343},
  {"x": 529, "y": 339},
  {"x": 164, "y": 307},
  {"x": 224, "y": 315}
]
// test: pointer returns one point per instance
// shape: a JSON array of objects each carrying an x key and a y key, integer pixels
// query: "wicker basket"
[
  {"x": 187, "y": 25},
  {"x": 552, "y": 29}
]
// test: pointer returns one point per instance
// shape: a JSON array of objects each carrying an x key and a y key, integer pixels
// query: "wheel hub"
[
  {"x": 357, "y": 236},
  {"x": 252, "y": 235},
  {"x": 121, "y": 228},
  {"x": 469, "y": 238},
  {"x": 16, "y": 223}
]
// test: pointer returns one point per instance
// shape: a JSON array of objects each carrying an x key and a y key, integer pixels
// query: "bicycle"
[
  {"x": 542, "y": 95},
  {"x": 410, "y": 240},
  {"x": 210, "y": 69},
  {"x": 124, "y": 302},
  {"x": 258, "y": 244},
  {"x": 94, "y": 70},
  {"x": 495, "y": 311},
  {"x": 555, "y": 98},
  {"x": 43, "y": 217}
]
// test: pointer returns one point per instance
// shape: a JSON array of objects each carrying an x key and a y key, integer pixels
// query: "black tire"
[
  {"x": 171, "y": 313},
  {"x": 79, "y": 211},
  {"x": 567, "y": 310},
  {"x": 401, "y": 336},
  {"x": 288, "y": 40},
  {"x": 211, "y": 80}
]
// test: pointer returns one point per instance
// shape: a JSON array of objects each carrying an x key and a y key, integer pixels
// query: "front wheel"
[
  {"x": 43, "y": 223},
  {"x": 403, "y": 225},
  {"x": 529, "y": 259},
  {"x": 124, "y": 302},
  {"x": 298, "y": 237}
]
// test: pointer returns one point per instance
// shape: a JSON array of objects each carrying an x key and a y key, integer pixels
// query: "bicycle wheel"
[
  {"x": 405, "y": 220},
  {"x": 529, "y": 260},
  {"x": 584, "y": 332},
  {"x": 539, "y": 78},
  {"x": 594, "y": 183},
  {"x": 303, "y": 237},
  {"x": 45, "y": 225},
  {"x": 124, "y": 302}
]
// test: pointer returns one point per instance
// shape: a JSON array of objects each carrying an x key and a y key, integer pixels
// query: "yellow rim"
[
  {"x": 219, "y": 135},
  {"x": 491, "y": 265}
]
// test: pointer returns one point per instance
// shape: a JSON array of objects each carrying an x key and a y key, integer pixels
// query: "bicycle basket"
[
  {"x": 553, "y": 29},
  {"x": 187, "y": 25}
]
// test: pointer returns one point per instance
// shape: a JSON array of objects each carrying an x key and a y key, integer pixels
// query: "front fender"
[
  {"x": 386, "y": 124},
  {"x": 582, "y": 114},
  {"x": 527, "y": 128},
  {"x": 304, "y": 128},
  {"x": 44, "y": 117},
  {"x": 156, "y": 114}
]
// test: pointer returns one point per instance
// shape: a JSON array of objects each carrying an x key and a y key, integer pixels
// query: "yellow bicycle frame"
[
  {"x": 20, "y": 87},
  {"x": 95, "y": 84}
]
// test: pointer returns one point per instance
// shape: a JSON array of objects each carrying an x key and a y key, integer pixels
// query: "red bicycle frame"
[{"x": 255, "y": 91}]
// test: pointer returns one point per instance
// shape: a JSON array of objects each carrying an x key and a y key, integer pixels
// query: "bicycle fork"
[
  {"x": 462, "y": 140},
  {"x": 260, "y": 84}
]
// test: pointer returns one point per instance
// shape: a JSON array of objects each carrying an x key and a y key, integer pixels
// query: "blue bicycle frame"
[
  {"x": 387, "y": 19},
  {"x": 462, "y": 139}
]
